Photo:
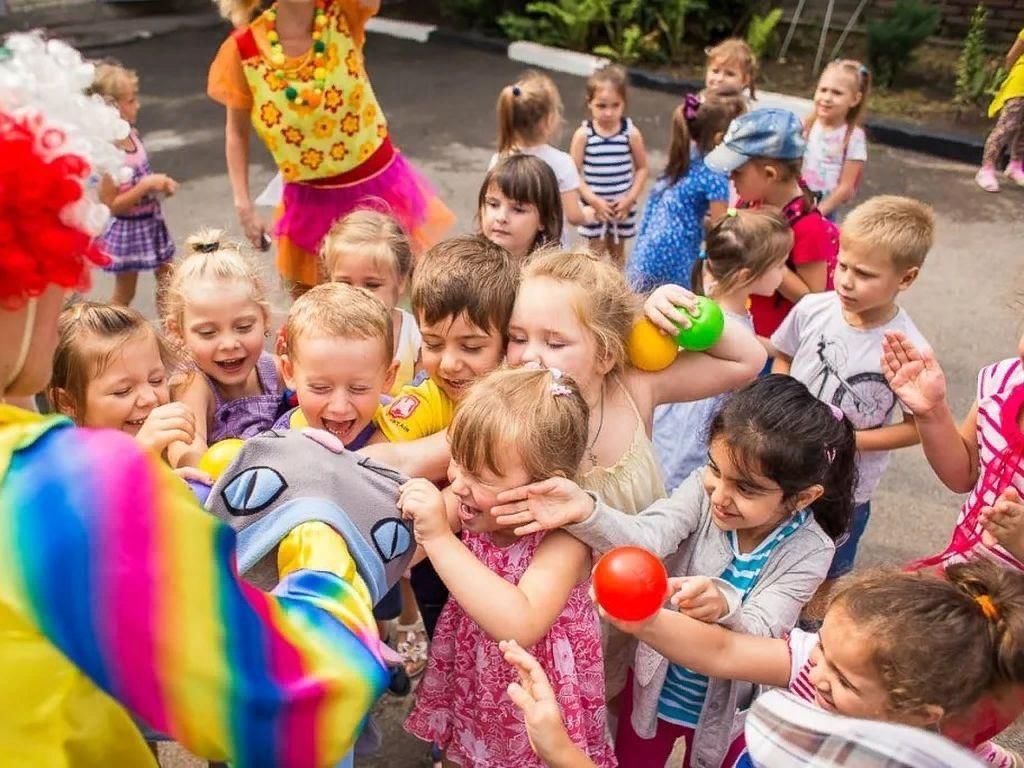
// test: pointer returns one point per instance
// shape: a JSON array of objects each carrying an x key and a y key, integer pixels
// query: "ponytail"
[
  {"x": 524, "y": 110},
  {"x": 697, "y": 274},
  {"x": 702, "y": 121},
  {"x": 739, "y": 248},
  {"x": 834, "y": 510},
  {"x": 678, "y": 164}
]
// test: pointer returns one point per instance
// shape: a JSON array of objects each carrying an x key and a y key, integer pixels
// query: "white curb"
[
  {"x": 557, "y": 59},
  {"x": 407, "y": 30}
]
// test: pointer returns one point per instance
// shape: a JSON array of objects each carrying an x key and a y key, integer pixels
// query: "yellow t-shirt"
[
  {"x": 418, "y": 411},
  {"x": 1012, "y": 87}
]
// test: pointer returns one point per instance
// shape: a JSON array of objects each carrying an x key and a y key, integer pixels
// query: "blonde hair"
[
  {"x": 88, "y": 335},
  {"x": 752, "y": 240},
  {"x": 527, "y": 413},
  {"x": 238, "y": 12},
  {"x": 373, "y": 234},
  {"x": 737, "y": 51},
  {"x": 524, "y": 109},
  {"x": 904, "y": 227},
  {"x": 113, "y": 81},
  {"x": 603, "y": 300},
  {"x": 860, "y": 77},
  {"x": 211, "y": 258},
  {"x": 339, "y": 311},
  {"x": 466, "y": 275}
]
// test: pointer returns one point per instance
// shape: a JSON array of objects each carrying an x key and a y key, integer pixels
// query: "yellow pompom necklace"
[{"x": 311, "y": 96}]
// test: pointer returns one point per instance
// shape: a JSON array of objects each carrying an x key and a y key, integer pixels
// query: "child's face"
[
  {"x": 455, "y": 353},
  {"x": 223, "y": 329},
  {"x": 132, "y": 384},
  {"x": 509, "y": 223},
  {"x": 835, "y": 96},
  {"x": 606, "y": 107},
  {"x": 477, "y": 494},
  {"x": 741, "y": 500},
  {"x": 843, "y": 673},
  {"x": 722, "y": 72},
  {"x": 546, "y": 330},
  {"x": 339, "y": 381},
  {"x": 866, "y": 280},
  {"x": 128, "y": 106},
  {"x": 363, "y": 271},
  {"x": 752, "y": 181}
]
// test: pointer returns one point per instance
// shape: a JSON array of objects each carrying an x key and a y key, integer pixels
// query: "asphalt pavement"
[{"x": 440, "y": 103}]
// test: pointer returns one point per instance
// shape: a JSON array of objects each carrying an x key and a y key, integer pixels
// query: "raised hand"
[
  {"x": 914, "y": 375},
  {"x": 663, "y": 308},
  {"x": 543, "y": 506},
  {"x": 166, "y": 424}
]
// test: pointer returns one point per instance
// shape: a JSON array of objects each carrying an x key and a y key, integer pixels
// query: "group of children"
[{"x": 509, "y": 395}]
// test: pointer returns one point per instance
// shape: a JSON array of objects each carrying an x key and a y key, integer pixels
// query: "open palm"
[{"x": 914, "y": 375}]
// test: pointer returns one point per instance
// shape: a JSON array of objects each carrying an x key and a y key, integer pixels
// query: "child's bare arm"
[
  {"x": 427, "y": 457},
  {"x": 640, "y": 172},
  {"x": 811, "y": 277},
  {"x": 1014, "y": 53},
  {"x": 781, "y": 363},
  {"x": 196, "y": 395},
  {"x": 845, "y": 189},
  {"x": 889, "y": 437}
]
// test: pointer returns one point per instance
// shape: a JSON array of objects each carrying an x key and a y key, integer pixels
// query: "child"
[
  {"x": 745, "y": 254},
  {"x": 910, "y": 648},
  {"x": 218, "y": 311},
  {"x": 338, "y": 345},
  {"x": 836, "y": 147},
  {"x": 831, "y": 341},
  {"x": 111, "y": 370},
  {"x": 137, "y": 238},
  {"x": 529, "y": 116},
  {"x": 609, "y": 152},
  {"x": 762, "y": 152},
  {"x": 761, "y": 517},
  {"x": 1009, "y": 131},
  {"x": 368, "y": 249},
  {"x": 519, "y": 206},
  {"x": 574, "y": 312},
  {"x": 297, "y": 73},
  {"x": 672, "y": 226},
  {"x": 532, "y": 589},
  {"x": 730, "y": 66}
]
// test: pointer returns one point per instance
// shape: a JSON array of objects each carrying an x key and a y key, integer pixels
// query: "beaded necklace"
[{"x": 311, "y": 96}]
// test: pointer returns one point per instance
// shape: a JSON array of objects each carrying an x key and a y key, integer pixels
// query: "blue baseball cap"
[{"x": 774, "y": 133}]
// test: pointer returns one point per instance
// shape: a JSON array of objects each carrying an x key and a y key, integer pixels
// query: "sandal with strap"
[{"x": 411, "y": 643}]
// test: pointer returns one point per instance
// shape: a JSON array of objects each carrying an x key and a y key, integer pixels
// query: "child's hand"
[
  {"x": 915, "y": 376},
  {"x": 698, "y": 598},
  {"x": 536, "y": 700},
  {"x": 543, "y": 506},
  {"x": 622, "y": 207},
  {"x": 589, "y": 215},
  {"x": 194, "y": 474},
  {"x": 1003, "y": 523},
  {"x": 160, "y": 183},
  {"x": 421, "y": 501},
  {"x": 166, "y": 424},
  {"x": 603, "y": 210},
  {"x": 662, "y": 306}
]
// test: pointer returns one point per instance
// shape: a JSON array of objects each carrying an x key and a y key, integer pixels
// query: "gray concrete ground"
[{"x": 440, "y": 102}]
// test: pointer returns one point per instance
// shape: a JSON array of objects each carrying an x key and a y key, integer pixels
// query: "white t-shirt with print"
[
  {"x": 824, "y": 156},
  {"x": 841, "y": 365},
  {"x": 565, "y": 169}
]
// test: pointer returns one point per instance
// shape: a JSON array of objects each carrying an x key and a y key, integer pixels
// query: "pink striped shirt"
[{"x": 801, "y": 646}]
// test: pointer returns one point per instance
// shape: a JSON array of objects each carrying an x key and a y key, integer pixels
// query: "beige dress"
[{"x": 632, "y": 484}]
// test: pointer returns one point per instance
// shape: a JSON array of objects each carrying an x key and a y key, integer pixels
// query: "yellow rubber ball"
[
  {"x": 650, "y": 349},
  {"x": 219, "y": 455}
]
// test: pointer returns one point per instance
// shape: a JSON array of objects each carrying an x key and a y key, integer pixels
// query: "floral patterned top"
[{"x": 307, "y": 142}]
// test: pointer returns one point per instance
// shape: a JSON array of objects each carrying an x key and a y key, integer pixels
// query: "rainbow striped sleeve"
[{"x": 107, "y": 554}]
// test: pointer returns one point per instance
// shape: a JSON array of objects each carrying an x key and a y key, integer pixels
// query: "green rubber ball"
[{"x": 705, "y": 329}]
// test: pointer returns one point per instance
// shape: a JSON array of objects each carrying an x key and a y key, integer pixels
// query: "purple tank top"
[{"x": 247, "y": 416}]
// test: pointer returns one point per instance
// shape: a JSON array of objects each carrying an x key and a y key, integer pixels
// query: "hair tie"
[
  {"x": 864, "y": 71},
  {"x": 206, "y": 247},
  {"x": 516, "y": 90},
  {"x": 830, "y": 454},
  {"x": 557, "y": 388},
  {"x": 703, "y": 255},
  {"x": 731, "y": 212},
  {"x": 691, "y": 105},
  {"x": 988, "y": 608},
  {"x": 837, "y": 412}
]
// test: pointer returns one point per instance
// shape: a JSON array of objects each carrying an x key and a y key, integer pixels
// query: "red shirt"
[{"x": 815, "y": 238}]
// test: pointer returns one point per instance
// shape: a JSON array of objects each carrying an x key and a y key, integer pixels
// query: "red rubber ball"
[{"x": 630, "y": 583}]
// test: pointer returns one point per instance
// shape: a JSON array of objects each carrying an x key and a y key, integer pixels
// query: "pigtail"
[
  {"x": 506, "y": 119},
  {"x": 679, "y": 146},
  {"x": 697, "y": 274},
  {"x": 834, "y": 510}
]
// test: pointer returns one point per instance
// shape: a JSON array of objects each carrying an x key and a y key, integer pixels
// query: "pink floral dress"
[{"x": 461, "y": 703}]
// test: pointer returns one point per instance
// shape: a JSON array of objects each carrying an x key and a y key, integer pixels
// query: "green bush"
[
  {"x": 893, "y": 40},
  {"x": 479, "y": 14},
  {"x": 761, "y": 31},
  {"x": 971, "y": 66}
]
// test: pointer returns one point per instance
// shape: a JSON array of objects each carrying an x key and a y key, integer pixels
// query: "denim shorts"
[{"x": 846, "y": 547}]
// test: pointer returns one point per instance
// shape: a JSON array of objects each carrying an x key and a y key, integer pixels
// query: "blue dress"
[{"x": 672, "y": 227}]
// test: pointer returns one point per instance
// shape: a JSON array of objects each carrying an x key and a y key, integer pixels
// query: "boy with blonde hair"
[{"x": 832, "y": 342}]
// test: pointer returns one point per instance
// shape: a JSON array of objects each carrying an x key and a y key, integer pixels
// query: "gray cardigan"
[{"x": 681, "y": 531}]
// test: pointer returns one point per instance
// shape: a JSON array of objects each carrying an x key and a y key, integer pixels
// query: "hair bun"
[{"x": 205, "y": 241}]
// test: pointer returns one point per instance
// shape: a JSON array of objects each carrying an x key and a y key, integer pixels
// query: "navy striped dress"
[{"x": 609, "y": 172}]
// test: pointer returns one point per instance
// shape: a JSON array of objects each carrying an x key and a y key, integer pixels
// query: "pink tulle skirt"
[{"x": 391, "y": 185}]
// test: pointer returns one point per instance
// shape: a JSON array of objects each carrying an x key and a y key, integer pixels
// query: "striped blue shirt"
[{"x": 682, "y": 695}]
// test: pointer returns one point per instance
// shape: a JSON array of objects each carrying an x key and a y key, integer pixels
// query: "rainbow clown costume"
[{"x": 120, "y": 597}]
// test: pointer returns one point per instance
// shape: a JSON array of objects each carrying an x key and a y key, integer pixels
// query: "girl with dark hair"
[
  {"x": 519, "y": 206},
  {"x": 672, "y": 226},
  {"x": 755, "y": 531}
]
